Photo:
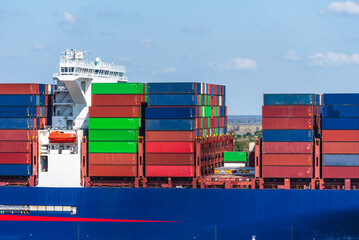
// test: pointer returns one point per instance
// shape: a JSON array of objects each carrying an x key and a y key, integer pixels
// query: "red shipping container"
[
  {"x": 113, "y": 158},
  {"x": 170, "y": 147},
  {"x": 340, "y": 135},
  {"x": 47, "y": 100},
  {"x": 287, "y": 160},
  {"x": 340, "y": 147},
  {"x": 169, "y": 158},
  {"x": 170, "y": 136},
  {"x": 287, "y": 111},
  {"x": 19, "y": 88},
  {"x": 15, "y": 158},
  {"x": 287, "y": 172},
  {"x": 17, "y": 135},
  {"x": 115, "y": 112},
  {"x": 15, "y": 146},
  {"x": 340, "y": 172},
  {"x": 287, "y": 123},
  {"x": 169, "y": 171},
  {"x": 112, "y": 170},
  {"x": 117, "y": 100},
  {"x": 287, "y": 147}
]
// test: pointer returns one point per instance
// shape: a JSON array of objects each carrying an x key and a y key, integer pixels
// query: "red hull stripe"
[{"x": 70, "y": 219}]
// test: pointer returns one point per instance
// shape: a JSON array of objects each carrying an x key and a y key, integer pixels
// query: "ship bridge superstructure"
[{"x": 72, "y": 96}]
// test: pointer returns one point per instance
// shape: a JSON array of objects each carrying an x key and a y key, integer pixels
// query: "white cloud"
[
  {"x": 291, "y": 55},
  {"x": 234, "y": 65},
  {"x": 348, "y": 7},
  {"x": 334, "y": 59},
  {"x": 144, "y": 42},
  {"x": 169, "y": 70},
  {"x": 194, "y": 29},
  {"x": 37, "y": 47},
  {"x": 68, "y": 17}
]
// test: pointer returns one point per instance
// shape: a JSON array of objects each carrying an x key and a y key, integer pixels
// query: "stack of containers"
[
  {"x": 235, "y": 159},
  {"x": 114, "y": 128},
  {"x": 340, "y": 136},
  {"x": 176, "y": 115},
  {"x": 22, "y": 112},
  {"x": 289, "y": 123}
]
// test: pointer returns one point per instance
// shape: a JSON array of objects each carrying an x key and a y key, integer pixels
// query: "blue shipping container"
[
  {"x": 15, "y": 170},
  {"x": 17, "y": 123},
  {"x": 170, "y": 112},
  {"x": 341, "y": 99},
  {"x": 290, "y": 99},
  {"x": 19, "y": 100},
  {"x": 173, "y": 100},
  {"x": 288, "y": 136},
  {"x": 42, "y": 89},
  {"x": 17, "y": 112},
  {"x": 170, "y": 124},
  {"x": 174, "y": 88},
  {"x": 341, "y": 111},
  {"x": 340, "y": 123},
  {"x": 341, "y": 160}
]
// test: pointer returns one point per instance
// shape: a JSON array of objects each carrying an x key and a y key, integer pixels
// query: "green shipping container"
[
  {"x": 207, "y": 112},
  {"x": 201, "y": 123},
  {"x": 114, "y": 123},
  {"x": 216, "y": 131},
  {"x": 235, "y": 157},
  {"x": 209, "y": 123},
  {"x": 216, "y": 111},
  {"x": 113, "y": 135},
  {"x": 200, "y": 100},
  {"x": 117, "y": 88},
  {"x": 112, "y": 147}
]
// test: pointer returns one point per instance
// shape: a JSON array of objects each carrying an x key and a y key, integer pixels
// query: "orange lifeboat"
[{"x": 61, "y": 137}]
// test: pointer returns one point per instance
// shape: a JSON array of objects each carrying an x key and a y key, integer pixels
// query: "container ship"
[{"x": 93, "y": 156}]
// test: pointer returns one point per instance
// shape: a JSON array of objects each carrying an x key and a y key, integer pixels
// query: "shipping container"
[
  {"x": 341, "y": 111},
  {"x": 118, "y": 88},
  {"x": 17, "y": 135},
  {"x": 115, "y": 112},
  {"x": 20, "y": 88},
  {"x": 20, "y": 100},
  {"x": 113, "y": 135},
  {"x": 290, "y": 99},
  {"x": 341, "y": 99},
  {"x": 112, "y": 170},
  {"x": 287, "y": 159},
  {"x": 288, "y": 136},
  {"x": 235, "y": 156},
  {"x": 340, "y": 172},
  {"x": 173, "y": 100},
  {"x": 287, "y": 123},
  {"x": 170, "y": 124},
  {"x": 341, "y": 160},
  {"x": 340, "y": 147},
  {"x": 169, "y": 159},
  {"x": 170, "y": 147},
  {"x": 287, "y": 172},
  {"x": 15, "y": 170},
  {"x": 18, "y": 112},
  {"x": 112, "y": 147},
  {"x": 118, "y": 100},
  {"x": 174, "y": 88},
  {"x": 340, "y": 123},
  {"x": 340, "y": 135},
  {"x": 288, "y": 111},
  {"x": 287, "y": 147},
  {"x": 113, "y": 158},
  {"x": 169, "y": 171},
  {"x": 170, "y": 112},
  {"x": 170, "y": 136},
  {"x": 15, "y": 158},
  {"x": 114, "y": 123},
  {"x": 15, "y": 146}
]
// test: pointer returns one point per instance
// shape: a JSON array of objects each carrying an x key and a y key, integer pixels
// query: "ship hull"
[{"x": 130, "y": 213}]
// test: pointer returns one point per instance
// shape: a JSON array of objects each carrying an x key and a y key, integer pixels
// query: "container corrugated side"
[
  {"x": 115, "y": 112},
  {"x": 340, "y": 172},
  {"x": 290, "y": 99},
  {"x": 287, "y": 147},
  {"x": 288, "y": 111},
  {"x": 20, "y": 88},
  {"x": 170, "y": 112},
  {"x": 170, "y": 136},
  {"x": 340, "y": 135},
  {"x": 341, "y": 160},
  {"x": 112, "y": 147},
  {"x": 288, "y": 135},
  {"x": 174, "y": 88},
  {"x": 17, "y": 135},
  {"x": 113, "y": 158},
  {"x": 18, "y": 112},
  {"x": 287, "y": 172},
  {"x": 169, "y": 171},
  {"x": 15, "y": 158},
  {"x": 114, "y": 123},
  {"x": 340, "y": 99},
  {"x": 287, "y": 159},
  {"x": 20, "y": 100},
  {"x": 117, "y": 88},
  {"x": 170, "y": 147},
  {"x": 341, "y": 111},
  {"x": 113, "y": 135},
  {"x": 235, "y": 156},
  {"x": 169, "y": 158},
  {"x": 173, "y": 100},
  {"x": 170, "y": 124},
  {"x": 118, "y": 100},
  {"x": 113, "y": 170},
  {"x": 340, "y": 123},
  {"x": 340, "y": 147},
  {"x": 15, "y": 146},
  {"x": 287, "y": 123},
  {"x": 15, "y": 170}
]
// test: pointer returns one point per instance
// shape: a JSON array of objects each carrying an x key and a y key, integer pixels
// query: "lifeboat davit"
[{"x": 61, "y": 137}]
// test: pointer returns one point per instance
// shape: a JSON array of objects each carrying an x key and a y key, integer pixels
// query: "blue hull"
[{"x": 194, "y": 214}]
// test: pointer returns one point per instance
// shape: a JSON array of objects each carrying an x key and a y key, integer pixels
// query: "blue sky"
[{"x": 253, "y": 47}]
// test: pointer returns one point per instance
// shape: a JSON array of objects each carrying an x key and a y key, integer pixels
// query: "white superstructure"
[
  {"x": 72, "y": 97},
  {"x": 60, "y": 163}
]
